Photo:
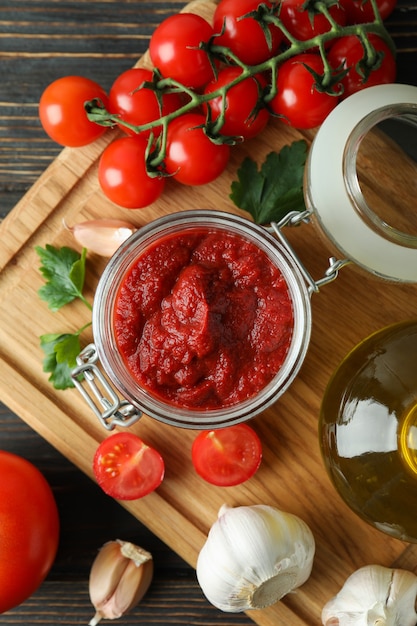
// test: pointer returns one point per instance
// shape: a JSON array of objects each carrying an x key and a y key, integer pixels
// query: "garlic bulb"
[
  {"x": 374, "y": 596},
  {"x": 119, "y": 578},
  {"x": 102, "y": 236},
  {"x": 253, "y": 556}
]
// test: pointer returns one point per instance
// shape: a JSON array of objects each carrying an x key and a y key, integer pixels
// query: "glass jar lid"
[{"x": 361, "y": 180}]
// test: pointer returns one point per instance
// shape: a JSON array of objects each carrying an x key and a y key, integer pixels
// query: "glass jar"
[
  {"x": 368, "y": 430},
  {"x": 104, "y": 310}
]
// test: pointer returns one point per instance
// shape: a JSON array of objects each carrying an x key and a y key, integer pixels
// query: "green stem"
[
  {"x": 296, "y": 47},
  {"x": 85, "y": 301},
  {"x": 327, "y": 69},
  {"x": 83, "y": 328}
]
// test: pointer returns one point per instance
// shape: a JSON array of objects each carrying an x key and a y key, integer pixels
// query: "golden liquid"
[{"x": 368, "y": 430}]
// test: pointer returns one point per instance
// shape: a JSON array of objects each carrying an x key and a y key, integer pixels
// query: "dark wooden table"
[{"x": 41, "y": 40}]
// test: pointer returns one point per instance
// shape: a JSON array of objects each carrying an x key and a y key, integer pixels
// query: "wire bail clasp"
[
  {"x": 295, "y": 218},
  {"x": 92, "y": 384}
]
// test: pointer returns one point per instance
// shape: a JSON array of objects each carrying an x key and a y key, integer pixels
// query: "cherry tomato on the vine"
[
  {"x": 298, "y": 100},
  {"x": 139, "y": 105},
  {"x": 29, "y": 529},
  {"x": 243, "y": 115},
  {"x": 244, "y": 36},
  {"x": 348, "y": 51},
  {"x": 123, "y": 175},
  {"x": 175, "y": 50},
  {"x": 361, "y": 11},
  {"x": 191, "y": 157},
  {"x": 227, "y": 456},
  {"x": 126, "y": 468},
  {"x": 304, "y": 23},
  {"x": 62, "y": 114}
]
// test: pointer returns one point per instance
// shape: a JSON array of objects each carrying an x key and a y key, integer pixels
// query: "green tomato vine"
[{"x": 327, "y": 82}]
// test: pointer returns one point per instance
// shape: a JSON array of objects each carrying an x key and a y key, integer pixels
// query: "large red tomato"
[
  {"x": 29, "y": 529},
  {"x": 123, "y": 175}
]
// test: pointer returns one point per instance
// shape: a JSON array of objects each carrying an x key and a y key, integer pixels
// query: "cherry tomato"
[
  {"x": 304, "y": 24},
  {"x": 123, "y": 176},
  {"x": 361, "y": 11},
  {"x": 191, "y": 157},
  {"x": 174, "y": 49},
  {"x": 347, "y": 51},
  {"x": 297, "y": 98},
  {"x": 244, "y": 36},
  {"x": 139, "y": 105},
  {"x": 62, "y": 114},
  {"x": 243, "y": 117},
  {"x": 126, "y": 468},
  {"x": 29, "y": 529},
  {"x": 227, "y": 456}
]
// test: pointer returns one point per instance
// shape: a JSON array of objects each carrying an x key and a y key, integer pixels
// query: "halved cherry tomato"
[
  {"x": 62, "y": 114},
  {"x": 227, "y": 456},
  {"x": 126, "y": 468},
  {"x": 139, "y": 105}
]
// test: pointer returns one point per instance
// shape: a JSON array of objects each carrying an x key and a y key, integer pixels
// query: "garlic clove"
[
  {"x": 254, "y": 556},
  {"x": 119, "y": 578},
  {"x": 374, "y": 595},
  {"x": 104, "y": 236}
]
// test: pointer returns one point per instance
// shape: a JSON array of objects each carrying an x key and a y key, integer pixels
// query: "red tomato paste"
[{"x": 203, "y": 319}]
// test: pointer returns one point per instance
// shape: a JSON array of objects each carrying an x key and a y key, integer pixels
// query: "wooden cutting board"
[{"x": 181, "y": 511}]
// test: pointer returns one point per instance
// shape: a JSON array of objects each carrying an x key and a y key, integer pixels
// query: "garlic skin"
[
  {"x": 254, "y": 556},
  {"x": 120, "y": 576},
  {"x": 374, "y": 596},
  {"x": 104, "y": 236}
]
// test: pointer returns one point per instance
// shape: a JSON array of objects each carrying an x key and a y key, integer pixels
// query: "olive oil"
[{"x": 368, "y": 430}]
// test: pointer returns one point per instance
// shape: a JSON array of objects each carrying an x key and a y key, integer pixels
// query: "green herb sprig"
[
  {"x": 64, "y": 272},
  {"x": 274, "y": 190}
]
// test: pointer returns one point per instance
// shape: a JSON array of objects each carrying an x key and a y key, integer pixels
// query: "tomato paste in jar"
[{"x": 203, "y": 319}]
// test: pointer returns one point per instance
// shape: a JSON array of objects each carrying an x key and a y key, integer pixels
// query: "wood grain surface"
[{"x": 106, "y": 38}]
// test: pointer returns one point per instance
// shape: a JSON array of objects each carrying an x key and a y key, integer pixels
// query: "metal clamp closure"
[
  {"x": 116, "y": 412},
  {"x": 295, "y": 218}
]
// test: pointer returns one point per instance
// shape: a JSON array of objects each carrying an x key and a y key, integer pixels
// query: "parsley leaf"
[
  {"x": 61, "y": 351},
  {"x": 64, "y": 272},
  {"x": 276, "y": 189}
]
